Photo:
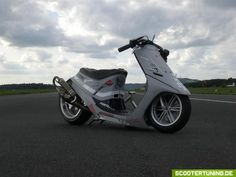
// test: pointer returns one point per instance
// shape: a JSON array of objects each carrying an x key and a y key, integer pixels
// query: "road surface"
[{"x": 35, "y": 141}]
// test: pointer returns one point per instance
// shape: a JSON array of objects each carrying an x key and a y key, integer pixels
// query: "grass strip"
[
  {"x": 24, "y": 91},
  {"x": 214, "y": 90}
]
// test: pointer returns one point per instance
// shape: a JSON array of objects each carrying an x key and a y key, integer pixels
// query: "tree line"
[
  {"x": 212, "y": 83},
  {"x": 27, "y": 86}
]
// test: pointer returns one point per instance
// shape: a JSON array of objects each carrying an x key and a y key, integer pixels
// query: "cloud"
[
  {"x": 199, "y": 35},
  {"x": 13, "y": 67},
  {"x": 2, "y": 57},
  {"x": 125, "y": 19},
  {"x": 8, "y": 67},
  {"x": 27, "y": 23},
  {"x": 228, "y": 4},
  {"x": 193, "y": 35},
  {"x": 44, "y": 56},
  {"x": 36, "y": 56}
]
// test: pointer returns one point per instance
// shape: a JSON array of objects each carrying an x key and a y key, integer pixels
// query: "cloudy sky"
[{"x": 43, "y": 38}]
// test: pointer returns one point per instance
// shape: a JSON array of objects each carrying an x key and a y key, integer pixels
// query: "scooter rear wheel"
[
  {"x": 169, "y": 112},
  {"x": 72, "y": 114}
]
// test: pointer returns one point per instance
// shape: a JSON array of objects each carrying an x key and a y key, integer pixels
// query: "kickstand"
[{"x": 94, "y": 120}]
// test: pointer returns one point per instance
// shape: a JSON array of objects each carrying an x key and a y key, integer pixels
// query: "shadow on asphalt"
[{"x": 115, "y": 128}]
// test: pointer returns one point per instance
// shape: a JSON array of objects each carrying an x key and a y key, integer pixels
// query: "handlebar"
[
  {"x": 125, "y": 47},
  {"x": 132, "y": 43},
  {"x": 140, "y": 42}
]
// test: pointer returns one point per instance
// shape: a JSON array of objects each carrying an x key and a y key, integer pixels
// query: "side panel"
[
  {"x": 154, "y": 88},
  {"x": 98, "y": 88},
  {"x": 87, "y": 88},
  {"x": 154, "y": 66},
  {"x": 85, "y": 94}
]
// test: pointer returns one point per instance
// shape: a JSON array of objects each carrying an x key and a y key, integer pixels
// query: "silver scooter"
[{"x": 99, "y": 94}]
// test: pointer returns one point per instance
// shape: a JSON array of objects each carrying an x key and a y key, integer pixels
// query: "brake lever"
[{"x": 139, "y": 38}]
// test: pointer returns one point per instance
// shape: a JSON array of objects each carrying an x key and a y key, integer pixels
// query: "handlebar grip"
[{"x": 125, "y": 47}]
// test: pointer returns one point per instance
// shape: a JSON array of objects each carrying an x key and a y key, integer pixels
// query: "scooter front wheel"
[
  {"x": 169, "y": 112},
  {"x": 72, "y": 114}
]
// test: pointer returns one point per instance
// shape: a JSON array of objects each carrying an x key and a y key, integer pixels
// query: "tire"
[
  {"x": 73, "y": 115},
  {"x": 169, "y": 112}
]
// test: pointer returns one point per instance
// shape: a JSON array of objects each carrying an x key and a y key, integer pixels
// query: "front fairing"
[{"x": 153, "y": 65}]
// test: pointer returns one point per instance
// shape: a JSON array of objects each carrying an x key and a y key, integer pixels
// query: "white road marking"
[{"x": 216, "y": 101}]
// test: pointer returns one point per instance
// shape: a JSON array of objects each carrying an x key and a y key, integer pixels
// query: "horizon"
[
  {"x": 59, "y": 37},
  {"x": 125, "y": 82}
]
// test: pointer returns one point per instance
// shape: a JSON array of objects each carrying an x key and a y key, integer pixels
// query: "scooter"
[{"x": 100, "y": 95}]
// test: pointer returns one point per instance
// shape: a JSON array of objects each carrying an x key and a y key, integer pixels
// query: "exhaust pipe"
[{"x": 65, "y": 90}]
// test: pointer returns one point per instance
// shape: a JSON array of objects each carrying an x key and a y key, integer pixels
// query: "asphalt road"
[{"x": 35, "y": 141}]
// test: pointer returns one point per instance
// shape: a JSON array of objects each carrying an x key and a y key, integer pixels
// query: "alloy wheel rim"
[
  {"x": 68, "y": 110},
  {"x": 167, "y": 109}
]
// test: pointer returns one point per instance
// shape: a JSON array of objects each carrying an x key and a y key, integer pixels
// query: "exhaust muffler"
[{"x": 65, "y": 90}]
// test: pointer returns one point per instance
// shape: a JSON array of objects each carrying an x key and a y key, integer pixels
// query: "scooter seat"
[{"x": 102, "y": 73}]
